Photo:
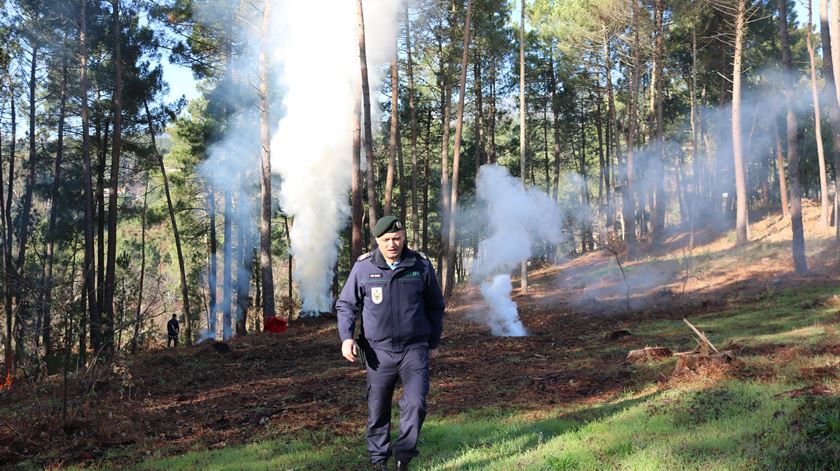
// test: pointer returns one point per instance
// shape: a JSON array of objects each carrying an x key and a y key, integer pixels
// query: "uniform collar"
[{"x": 407, "y": 259}]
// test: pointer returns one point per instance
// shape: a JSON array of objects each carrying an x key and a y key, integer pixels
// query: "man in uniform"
[
  {"x": 396, "y": 293},
  {"x": 172, "y": 330}
]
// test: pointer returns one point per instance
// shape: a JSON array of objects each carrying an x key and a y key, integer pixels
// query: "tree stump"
[
  {"x": 648, "y": 353},
  {"x": 691, "y": 361}
]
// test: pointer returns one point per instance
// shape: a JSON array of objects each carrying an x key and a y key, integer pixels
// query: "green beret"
[{"x": 386, "y": 224}]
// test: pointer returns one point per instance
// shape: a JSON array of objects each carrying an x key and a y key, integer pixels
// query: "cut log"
[
  {"x": 648, "y": 353},
  {"x": 691, "y": 361}
]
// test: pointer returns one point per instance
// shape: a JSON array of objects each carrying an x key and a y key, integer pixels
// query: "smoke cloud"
[
  {"x": 504, "y": 320},
  {"x": 316, "y": 46},
  {"x": 518, "y": 219},
  {"x": 700, "y": 183},
  {"x": 231, "y": 174}
]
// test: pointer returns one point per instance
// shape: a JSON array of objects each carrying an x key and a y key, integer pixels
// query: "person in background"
[{"x": 173, "y": 328}]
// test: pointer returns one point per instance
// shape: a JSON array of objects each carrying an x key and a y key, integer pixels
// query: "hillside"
[{"x": 295, "y": 387}]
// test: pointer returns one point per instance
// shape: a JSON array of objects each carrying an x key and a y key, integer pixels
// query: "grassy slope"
[
  {"x": 776, "y": 407},
  {"x": 740, "y": 418}
]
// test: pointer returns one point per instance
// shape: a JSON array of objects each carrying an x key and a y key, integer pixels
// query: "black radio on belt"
[
  {"x": 361, "y": 342},
  {"x": 360, "y": 350}
]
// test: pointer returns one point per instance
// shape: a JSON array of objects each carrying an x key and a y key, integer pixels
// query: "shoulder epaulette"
[
  {"x": 422, "y": 255},
  {"x": 364, "y": 256}
]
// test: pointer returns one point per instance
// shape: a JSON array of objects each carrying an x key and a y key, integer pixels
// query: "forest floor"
[{"x": 267, "y": 387}]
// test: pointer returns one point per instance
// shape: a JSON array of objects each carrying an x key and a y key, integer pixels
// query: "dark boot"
[
  {"x": 380, "y": 466},
  {"x": 402, "y": 465}
]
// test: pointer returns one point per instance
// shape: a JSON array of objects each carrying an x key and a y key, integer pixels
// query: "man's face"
[{"x": 391, "y": 245}]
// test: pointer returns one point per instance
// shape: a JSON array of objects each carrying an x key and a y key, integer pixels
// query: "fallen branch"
[{"x": 702, "y": 337}]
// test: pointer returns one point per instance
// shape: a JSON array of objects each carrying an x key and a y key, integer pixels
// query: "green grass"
[
  {"x": 732, "y": 425},
  {"x": 744, "y": 422},
  {"x": 789, "y": 316}
]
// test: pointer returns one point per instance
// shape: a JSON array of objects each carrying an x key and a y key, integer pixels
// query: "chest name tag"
[
  {"x": 376, "y": 294},
  {"x": 376, "y": 275}
]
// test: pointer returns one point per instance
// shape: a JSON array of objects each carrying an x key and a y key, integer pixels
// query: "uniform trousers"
[{"x": 384, "y": 369}]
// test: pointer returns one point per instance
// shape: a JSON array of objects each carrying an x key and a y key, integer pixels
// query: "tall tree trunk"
[
  {"x": 8, "y": 357},
  {"x": 21, "y": 306},
  {"x": 138, "y": 315},
  {"x": 244, "y": 261},
  {"x": 826, "y": 45},
  {"x": 110, "y": 269},
  {"x": 660, "y": 204},
  {"x": 829, "y": 41},
  {"x": 629, "y": 198},
  {"x": 523, "y": 269},
  {"x": 445, "y": 104},
  {"x": 370, "y": 159},
  {"x": 185, "y": 294},
  {"x": 100, "y": 221},
  {"x": 99, "y": 153},
  {"x": 798, "y": 247},
  {"x": 7, "y": 253},
  {"x": 459, "y": 127},
  {"x": 586, "y": 231},
  {"x": 213, "y": 271},
  {"x": 695, "y": 143},
  {"x": 357, "y": 209},
  {"x": 90, "y": 280},
  {"x": 555, "y": 113},
  {"x": 479, "y": 151},
  {"x": 255, "y": 275},
  {"x": 400, "y": 184},
  {"x": 603, "y": 162},
  {"x": 290, "y": 260},
  {"x": 426, "y": 182},
  {"x": 227, "y": 261},
  {"x": 415, "y": 221},
  {"x": 265, "y": 187},
  {"x": 479, "y": 110},
  {"x": 547, "y": 160},
  {"x": 741, "y": 222},
  {"x": 780, "y": 166},
  {"x": 491, "y": 150},
  {"x": 612, "y": 129},
  {"x": 393, "y": 137},
  {"x": 68, "y": 328},
  {"x": 824, "y": 204},
  {"x": 51, "y": 236},
  {"x": 833, "y": 48}
]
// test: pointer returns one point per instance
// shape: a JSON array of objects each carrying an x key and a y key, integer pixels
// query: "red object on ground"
[
  {"x": 276, "y": 325},
  {"x": 8, "y": 383}
]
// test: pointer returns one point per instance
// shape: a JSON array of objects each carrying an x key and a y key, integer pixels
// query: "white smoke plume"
[
  {"x": 519, "y": 218},
  {"x": 505, "y": 319},
  {"x": 231, "y": 169},
  {"x": 316, "y": 47}
]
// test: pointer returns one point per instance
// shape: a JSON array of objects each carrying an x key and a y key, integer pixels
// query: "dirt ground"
[{"x": 270, "y": 385}]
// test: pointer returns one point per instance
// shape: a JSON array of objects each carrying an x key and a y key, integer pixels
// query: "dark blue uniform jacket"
[{"x": 400, "y": 307}]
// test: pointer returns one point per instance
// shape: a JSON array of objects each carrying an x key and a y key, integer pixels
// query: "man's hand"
[
  {"x": 349, "y": 350},
  {"x": 433, "y": 353}
]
